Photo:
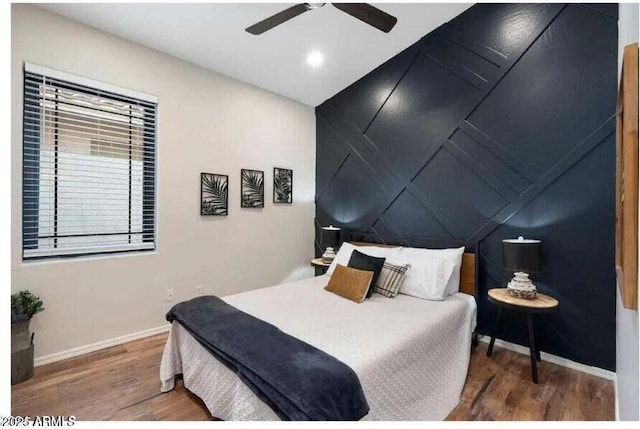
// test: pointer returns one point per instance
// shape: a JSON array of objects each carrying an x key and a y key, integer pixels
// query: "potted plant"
[{"x": 24, "y": 305}]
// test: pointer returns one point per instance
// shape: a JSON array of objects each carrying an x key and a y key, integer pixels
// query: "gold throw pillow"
[{"x": 350, "y": 283}]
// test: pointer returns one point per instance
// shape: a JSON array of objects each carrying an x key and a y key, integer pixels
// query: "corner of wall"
[{"x": 627, "y": 328}]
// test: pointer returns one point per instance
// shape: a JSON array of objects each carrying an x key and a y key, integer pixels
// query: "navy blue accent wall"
[{"x": 499, "y": 123}]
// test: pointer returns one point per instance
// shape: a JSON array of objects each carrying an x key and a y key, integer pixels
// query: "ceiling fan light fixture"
[
  {"x": 315, "y": 59},
  {"x": 314, "y": 5}
]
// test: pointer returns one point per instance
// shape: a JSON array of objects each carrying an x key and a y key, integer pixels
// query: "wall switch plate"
[
  {"x": 169, "y": 295},
  {"x": 199, "y": 291}
]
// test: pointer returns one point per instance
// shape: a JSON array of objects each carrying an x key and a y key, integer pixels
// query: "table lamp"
[
  {"x": 522, "y": 256},
  {"x": 330, "y": 239}
]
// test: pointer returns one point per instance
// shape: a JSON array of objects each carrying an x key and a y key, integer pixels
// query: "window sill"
[{"x": 87, "y": 258}]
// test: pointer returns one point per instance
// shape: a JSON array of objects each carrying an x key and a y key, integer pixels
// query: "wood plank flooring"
[
  {"x": 121, "y": 383},
  {"x": 500, "y": 388}
]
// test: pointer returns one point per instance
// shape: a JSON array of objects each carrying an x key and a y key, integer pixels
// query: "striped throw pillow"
[{"x": 390, "y": 280}]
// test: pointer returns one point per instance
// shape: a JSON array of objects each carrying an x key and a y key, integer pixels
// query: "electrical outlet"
[
  {"x": 199, "y": 291},
  {"x": 168, "y": 295}
]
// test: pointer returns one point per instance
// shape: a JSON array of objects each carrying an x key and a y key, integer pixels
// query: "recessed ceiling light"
[{"x": 315, "y": 59}]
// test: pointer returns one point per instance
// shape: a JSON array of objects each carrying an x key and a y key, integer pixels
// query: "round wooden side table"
[
  {"x": 320, "y": 266},
  {"x": 541, "y": 304}
]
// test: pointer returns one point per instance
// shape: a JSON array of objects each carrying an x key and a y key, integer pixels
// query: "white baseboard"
[
  {"x": 598, "y": 372},
  {"x": 43, "y": 360}
]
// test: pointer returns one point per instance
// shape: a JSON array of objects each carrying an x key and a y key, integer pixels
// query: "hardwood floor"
[
  {"x": 500, "y": 388},
  {"x": 121, "y": 383}
]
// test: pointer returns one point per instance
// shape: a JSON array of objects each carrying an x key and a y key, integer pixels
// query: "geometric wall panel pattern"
[{"x": 497, "y": 124}]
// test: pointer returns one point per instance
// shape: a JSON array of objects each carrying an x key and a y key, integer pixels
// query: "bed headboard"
[{"x": 467, "y": 271}]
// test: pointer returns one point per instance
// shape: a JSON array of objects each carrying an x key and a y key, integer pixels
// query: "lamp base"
[
  {"x": 328, "y": 255},
  {"x": 521, "y": 286}
]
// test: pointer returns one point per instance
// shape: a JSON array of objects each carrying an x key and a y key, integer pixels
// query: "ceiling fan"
[{"x": 363, "y": 11}]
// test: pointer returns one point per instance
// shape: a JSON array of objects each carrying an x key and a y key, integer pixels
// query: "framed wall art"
[
  {"x": 282, "y": 186},
  {"x": 252, "y": 188},
  {"x": 214, "y": 194},
  {"x": 627, "y": 179}
]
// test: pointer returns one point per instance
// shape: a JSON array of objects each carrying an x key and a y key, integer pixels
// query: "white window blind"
[{"x": 89, "y": 170}]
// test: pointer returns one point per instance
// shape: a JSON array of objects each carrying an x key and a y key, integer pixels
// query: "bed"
[{"x": 410, "y": 355}]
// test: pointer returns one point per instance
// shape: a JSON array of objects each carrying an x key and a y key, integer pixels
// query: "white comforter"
[{"x": 411, "y": 355}]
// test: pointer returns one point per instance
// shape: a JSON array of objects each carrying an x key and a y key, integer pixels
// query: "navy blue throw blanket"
[{"x": 298, "y": 381}]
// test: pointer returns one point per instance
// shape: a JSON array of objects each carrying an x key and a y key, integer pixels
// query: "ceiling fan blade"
[
  {"x": 277, "y": 19},
  {"x": 369, "y": 14}
]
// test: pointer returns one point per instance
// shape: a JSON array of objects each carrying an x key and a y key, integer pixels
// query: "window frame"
[{"x": 149, "y": 202}]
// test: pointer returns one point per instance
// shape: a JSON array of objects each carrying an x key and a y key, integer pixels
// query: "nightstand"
[
  {"x": 320, "y": 266},
  {"x": 531, "y": 308}
]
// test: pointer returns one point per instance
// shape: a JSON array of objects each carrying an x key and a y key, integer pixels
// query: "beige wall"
[{"x": 207, "y": 123}]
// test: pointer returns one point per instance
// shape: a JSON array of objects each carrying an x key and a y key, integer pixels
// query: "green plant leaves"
[{"x": 24, "y": 305}]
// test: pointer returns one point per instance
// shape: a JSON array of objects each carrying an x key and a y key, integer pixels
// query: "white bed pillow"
[
  {"x": 427, "y": 279},
  {"x": 454, "y": 255},
  {"x": 434, "y": 273},
  {"x": 344, "y": 254}
]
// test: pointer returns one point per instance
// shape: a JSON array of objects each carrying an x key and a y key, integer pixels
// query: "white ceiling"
[{"x": 213, "y": 36}]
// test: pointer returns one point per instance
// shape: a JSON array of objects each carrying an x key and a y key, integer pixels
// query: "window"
[{"x": 89, "y": 170}]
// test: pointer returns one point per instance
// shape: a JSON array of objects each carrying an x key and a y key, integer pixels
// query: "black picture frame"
[
  {"x": 251, "y": 188},
  {"x": 282, "y": 185},
  {"x": 214, "y": 194}
]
